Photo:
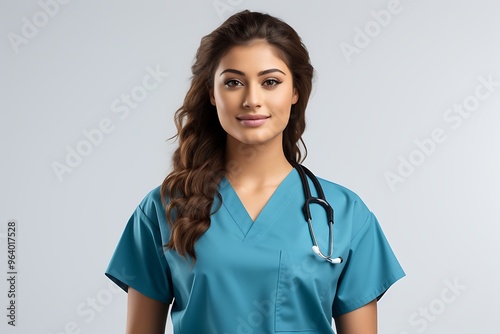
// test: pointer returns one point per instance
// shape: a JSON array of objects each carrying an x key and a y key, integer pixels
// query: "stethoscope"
[{"x": 321, "y": 200}]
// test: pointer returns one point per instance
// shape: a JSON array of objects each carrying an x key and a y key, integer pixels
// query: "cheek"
[
  {"x": 224, "y": 111},
  {"x": 226, "y": 102},
  {"x": 281, "y": 106}
]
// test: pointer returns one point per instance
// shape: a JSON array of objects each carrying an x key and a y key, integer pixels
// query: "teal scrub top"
[{"x": 259, "y": 276}]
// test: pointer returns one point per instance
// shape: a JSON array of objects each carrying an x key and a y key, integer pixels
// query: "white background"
[{"x": 366, "y": 112}]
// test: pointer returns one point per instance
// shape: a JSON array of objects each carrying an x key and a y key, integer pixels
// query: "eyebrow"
[{"x": 271, "y": 70}]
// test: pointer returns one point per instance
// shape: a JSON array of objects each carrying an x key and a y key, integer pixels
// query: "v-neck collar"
[{"x": 253, "y": 230}]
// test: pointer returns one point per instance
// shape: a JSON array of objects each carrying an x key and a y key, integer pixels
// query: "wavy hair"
[{"x": 189, "y": 191}]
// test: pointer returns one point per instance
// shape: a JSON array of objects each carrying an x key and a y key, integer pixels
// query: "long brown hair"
[{"x": 188, "y": 192}]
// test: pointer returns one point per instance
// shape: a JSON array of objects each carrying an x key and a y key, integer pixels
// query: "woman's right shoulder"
[{"x": 152, "y": 205}]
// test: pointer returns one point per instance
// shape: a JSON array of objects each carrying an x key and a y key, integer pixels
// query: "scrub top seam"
[
  {"x": 263, "y": 213},
  {"x": 123, "y": 281},
  {"x": 374, "y": 294},
  {"x": 277, "y": 214},
  {"x": 160, "y": 253},
  {"x": 362, "y": 227},
  {"x": 147, "y": 217},
  {"x": 233, "y": 218}
]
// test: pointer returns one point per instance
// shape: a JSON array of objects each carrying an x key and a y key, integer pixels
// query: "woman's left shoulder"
[
  {"x": 338, "y": 192},
  {"x": 347, "y": 204}
]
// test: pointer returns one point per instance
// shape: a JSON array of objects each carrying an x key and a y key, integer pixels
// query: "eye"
[
  {"x": 272, "y": 82},
  {"x": 232, "y": 83}
]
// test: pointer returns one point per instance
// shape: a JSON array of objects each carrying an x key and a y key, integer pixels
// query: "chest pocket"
[{"x": 305, "y": 292}]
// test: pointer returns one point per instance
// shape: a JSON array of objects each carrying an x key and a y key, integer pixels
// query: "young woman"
[{"x": 225, "y": 238}]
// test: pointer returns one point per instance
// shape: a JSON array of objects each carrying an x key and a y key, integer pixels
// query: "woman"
[{"x": 224, "y": 238}]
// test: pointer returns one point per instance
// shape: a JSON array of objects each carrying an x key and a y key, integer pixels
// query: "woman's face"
[{"x": 253, "y": 93}]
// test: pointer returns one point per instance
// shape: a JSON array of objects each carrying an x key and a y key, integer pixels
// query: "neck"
[{"x": 256, "y": 164}]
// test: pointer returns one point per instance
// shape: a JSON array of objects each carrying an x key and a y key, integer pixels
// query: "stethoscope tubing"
[{"x": 320, "y": 200}]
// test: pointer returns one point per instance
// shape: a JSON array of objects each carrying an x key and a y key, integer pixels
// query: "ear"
[
  {"x": 212, "y": 98},
  {"x": 295, "y": 96}
]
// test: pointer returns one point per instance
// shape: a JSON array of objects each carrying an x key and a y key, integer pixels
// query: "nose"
[{"x": 253, "y": 97}]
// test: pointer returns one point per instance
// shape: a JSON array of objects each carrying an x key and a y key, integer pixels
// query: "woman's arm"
[
  {"x": 360, "y": 321},
  {"x": 145, "y": 315}
]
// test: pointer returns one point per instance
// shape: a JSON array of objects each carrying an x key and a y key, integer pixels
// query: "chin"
[{"x": 258, "y": 140}]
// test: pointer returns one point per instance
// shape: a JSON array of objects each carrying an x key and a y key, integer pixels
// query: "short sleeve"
[
  {"x": 138, "y": 260},
  {"x": 370, "y": 269}
]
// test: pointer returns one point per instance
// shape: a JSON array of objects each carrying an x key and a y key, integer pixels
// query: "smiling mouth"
[{"x": 252, "y": 120}]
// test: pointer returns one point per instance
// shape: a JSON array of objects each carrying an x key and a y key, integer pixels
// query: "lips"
[{"x": 252, "y": 120}]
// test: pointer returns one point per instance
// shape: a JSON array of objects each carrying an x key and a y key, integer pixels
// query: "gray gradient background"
[{"x": 443, "y": 221}]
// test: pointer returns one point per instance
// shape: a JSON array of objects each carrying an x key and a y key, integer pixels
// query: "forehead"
[{"x": 255, "y": 56}]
